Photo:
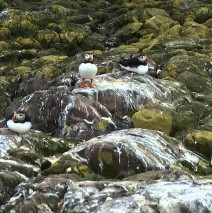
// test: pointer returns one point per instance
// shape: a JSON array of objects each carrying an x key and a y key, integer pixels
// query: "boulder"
[
  {"x": 126, "y": 152},
  {"x": 201, "y": 142},
  {"x": 153, "y": 119}
]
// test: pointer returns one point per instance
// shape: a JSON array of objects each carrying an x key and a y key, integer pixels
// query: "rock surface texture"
[{"x": 133, "y": 143}]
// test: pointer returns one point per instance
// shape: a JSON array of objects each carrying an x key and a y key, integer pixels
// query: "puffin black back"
[
  {"x": 131, "y": 62},
  {"x": 27, "y": 118},
  {"x": 9, "y": 116}
]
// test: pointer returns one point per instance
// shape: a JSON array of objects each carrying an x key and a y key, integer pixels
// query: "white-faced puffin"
[
  {"x": 87, "y": 70},
  {"x": 138, "y": 64},
  {"x": 19, "y": 122}
]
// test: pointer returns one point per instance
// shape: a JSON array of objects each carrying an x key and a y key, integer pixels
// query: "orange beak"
[
  {"x": 14, "y": 117},
  {"x": 90, "y": 58},
  {"x": 148, "y": 59}
]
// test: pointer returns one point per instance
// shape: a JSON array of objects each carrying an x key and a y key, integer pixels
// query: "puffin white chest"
[
  {"x": 87, "y": 70},
  {"x": 19, "y": 127},
  {"x": 141, "y": 69}
]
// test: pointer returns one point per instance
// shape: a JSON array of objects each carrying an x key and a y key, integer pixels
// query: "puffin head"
[
  {"x": 20, "y": 117},
  {"x": 88, "y": 57},
  {"x": 143, "y": 58}
]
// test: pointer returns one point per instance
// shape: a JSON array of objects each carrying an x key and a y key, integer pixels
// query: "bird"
[
  {"x": 19, "y": 122},
  {"x": 87, "y": 70},
  {"x": 137, "y": 64}
]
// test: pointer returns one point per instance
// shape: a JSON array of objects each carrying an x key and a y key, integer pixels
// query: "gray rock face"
[
  {"x": 126, "y": 196},
  {"x": 76, "y": 112}
]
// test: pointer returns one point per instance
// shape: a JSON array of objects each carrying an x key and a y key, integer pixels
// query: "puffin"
[
  {"x": 19, "y": 122},
  {"x": 137, "y": 64},
  {"x": 87, "y": 70}
]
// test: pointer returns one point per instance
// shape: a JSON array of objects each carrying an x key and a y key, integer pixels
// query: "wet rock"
[
  {"x": 140, "y": 90},
  {"x": 57, "y": 108},
  {"x": 125, "y": 196},
  {"x": 170, "y": 174},
  {"x": 123, "y": 153},
  {"x": 27, "y": 152}
]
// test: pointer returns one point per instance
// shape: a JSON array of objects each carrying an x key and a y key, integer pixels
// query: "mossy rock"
[
  {"x": 46, "y": 145},
  {"x": 28, "y": 156},
  {"x": 52, "y": 66},
  {"x": 181, "y": 4},
  {"x": 126, "y": 33},
  {"x": 5, "y": 96},
  {"x": 153, "y": 119},
  {"x": 62, "y": 11},
  {"x": 21, "y": 28},
  {"x": 195, "y": 29},
  {"x": 67, "y": 164},
  {"x": 177, "y": 42},
  {"x": 157, "y": 21},
  {"x": 184, "y": 120},
  {"x": 21, "y": 70},
  {"x": 53, "y": 59},
  {"x": 4, "y": 45},
  {"x": 151, "y": 12},
  {"x": 28, "y": 54},
  {"x": 201, "y": 142},
  {"x": 28, "y": 43},
  {"x": 5, "y": 33},
  {"x": 196, "y": 83},
  {"x": 9, "y": 57},
  {"x": 8, "y": 181},
  {"x": 47, "y": 37},
  {"x": 181, "y": 63}
]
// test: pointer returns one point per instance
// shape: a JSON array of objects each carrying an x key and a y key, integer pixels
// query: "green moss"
[
  {"x": 4, "y": 33},
  {"x": 194, "y": 29},
  {"x": 28, "y": 43},
  {"x": 47, "y": 37},
  {"x": 10, "y": 179},
  {"x": 21, "y": 70},
  {"x": 201, "y": 137},
  {"x": 153, "y": 119},
  {"x": 4, "y": 45},
  {"x": 107, "y": 157},
  {"x": 184, "y": 120}
]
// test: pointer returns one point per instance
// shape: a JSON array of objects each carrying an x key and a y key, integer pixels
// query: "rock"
[
  {"x": 127, "y": 32},
  {"x": 8, "y": 181},
  {"x": 195, "y": 82},
  {"x": 201, "y": 142},
  {"x": 195, "y": 29},
  {"x": 124, "y": 153},
  {"x": 206, "y": 124},
  {"x": 57, "y": 108},
  {"x": 156, "y": 24},
  {"x": 179, "y": 64},
  {"x": 70, "y": 196},
  {"x": 170, "y": 174},
  {"x": 153, "y": 119}
]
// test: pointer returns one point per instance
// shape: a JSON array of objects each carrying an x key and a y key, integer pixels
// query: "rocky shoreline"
[{"x": 134, "y": 143}]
